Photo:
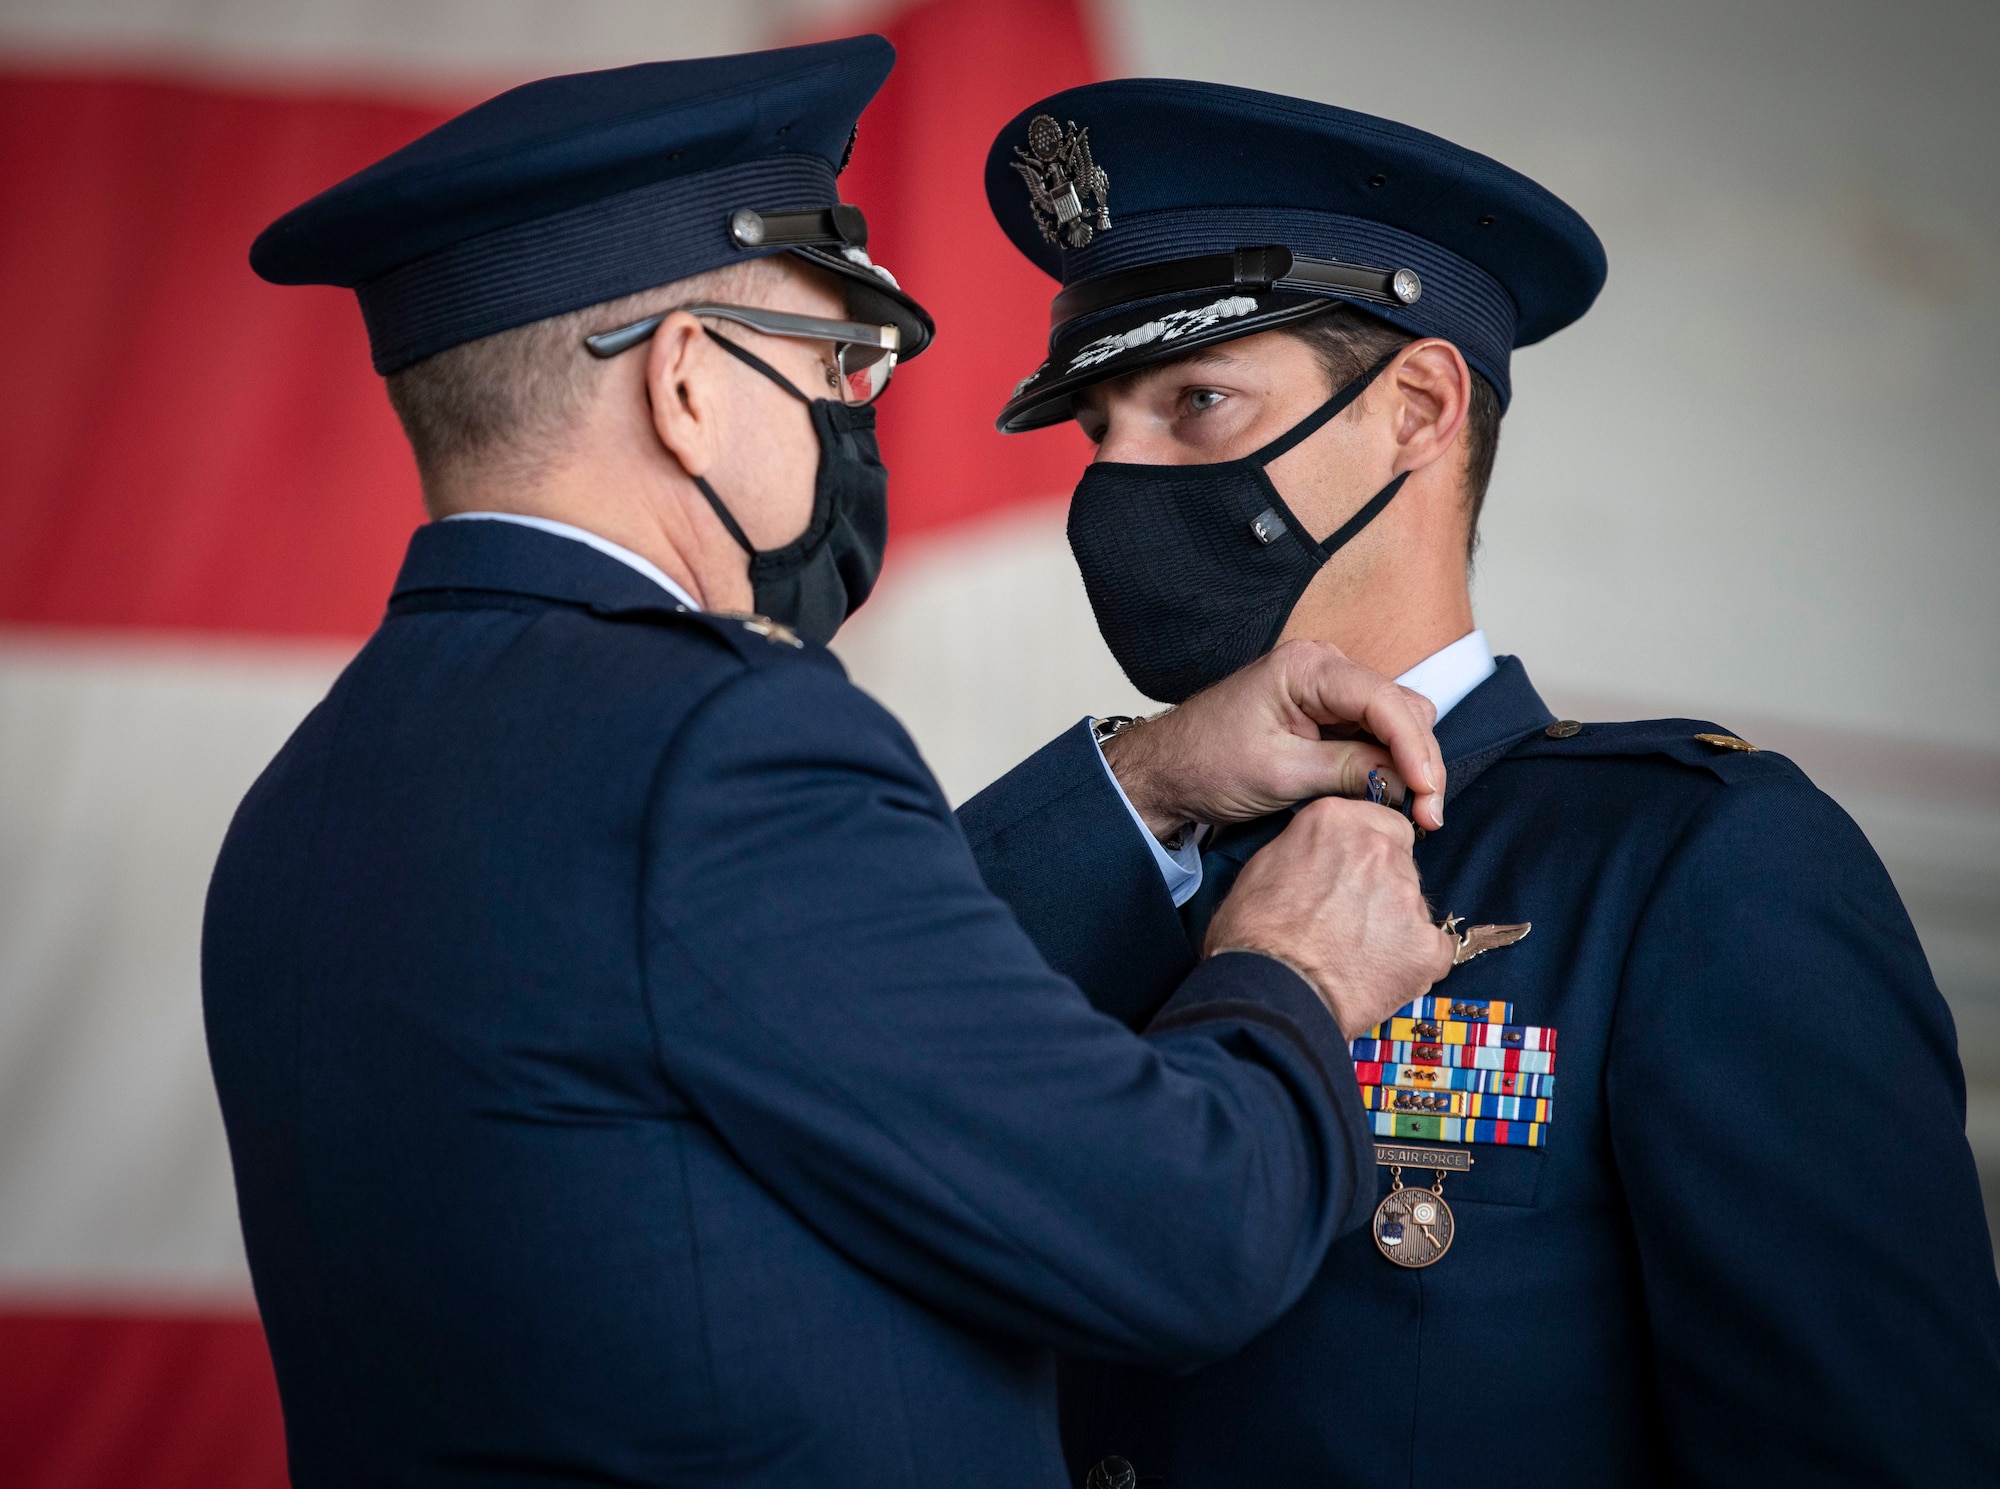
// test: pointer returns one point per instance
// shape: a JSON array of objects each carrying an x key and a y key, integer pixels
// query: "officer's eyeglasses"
[{"x": 865, "y": 355}]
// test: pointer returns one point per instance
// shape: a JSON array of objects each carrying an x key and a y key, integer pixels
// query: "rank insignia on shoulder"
[
  {"x": 775, "y": 632},
  {"x": 1727, "y": 742},
  {"x": 1063, "y": 182}
]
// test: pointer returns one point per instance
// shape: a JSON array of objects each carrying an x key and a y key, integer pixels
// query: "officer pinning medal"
[{"x": 634, "y": 1071}]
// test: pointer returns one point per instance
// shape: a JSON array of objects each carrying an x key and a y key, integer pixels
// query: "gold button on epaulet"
[
  {"x": 775, "y": 632},
  {"x": 1727, "y": 742}
]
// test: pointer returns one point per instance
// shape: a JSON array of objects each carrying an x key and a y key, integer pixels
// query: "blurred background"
[{"x": 1757, "y": 484}]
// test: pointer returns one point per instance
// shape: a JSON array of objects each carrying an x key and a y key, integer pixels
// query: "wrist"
[
  {"x": 1126, "y": 744},
  {"x": 1305, "y": 972}
]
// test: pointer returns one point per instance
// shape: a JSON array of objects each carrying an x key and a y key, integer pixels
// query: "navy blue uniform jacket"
[
  {"x": 630, "y": 1080},
  {"x": 1753, "y": 1251}
]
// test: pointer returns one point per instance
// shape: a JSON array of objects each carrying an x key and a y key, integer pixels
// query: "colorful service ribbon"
[
  {"x": 1457, "y": 1008},
  {"x": 1401, "y": 1099},
  {"x": 1457, "y": 1056},
  {"x": 1442, "y": 1078},
  {"x": 1452, "y": 1031},
  {"x": 1458, "y": 1130}
]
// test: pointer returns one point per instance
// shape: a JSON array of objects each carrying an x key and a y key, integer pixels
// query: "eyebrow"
[{"x": 1209, "y": 356}]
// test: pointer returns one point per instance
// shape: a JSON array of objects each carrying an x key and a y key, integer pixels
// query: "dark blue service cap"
[
  {"x": 1181, "y": 214},
  {"x": 569, "y": 191}
]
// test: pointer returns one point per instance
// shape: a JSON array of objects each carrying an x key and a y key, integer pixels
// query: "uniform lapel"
[{"x": 1487, "y": 723}]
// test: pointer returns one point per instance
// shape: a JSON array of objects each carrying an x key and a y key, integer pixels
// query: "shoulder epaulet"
[
  {"x": 1691, "y": 742},
  {"x": 757, "y": 636}
]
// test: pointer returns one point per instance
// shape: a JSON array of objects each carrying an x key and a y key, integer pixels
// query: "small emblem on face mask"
[
  {"x": 1069, "y": 192},
  {"x": 1267, "y": 526}
]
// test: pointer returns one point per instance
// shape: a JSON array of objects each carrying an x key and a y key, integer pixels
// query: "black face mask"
[
  {"x": 1193, "y": 570},
  {"x": 821, "y": 577}
]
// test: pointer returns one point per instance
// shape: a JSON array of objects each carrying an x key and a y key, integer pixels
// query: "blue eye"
[{"x": 1203, "y": 399}]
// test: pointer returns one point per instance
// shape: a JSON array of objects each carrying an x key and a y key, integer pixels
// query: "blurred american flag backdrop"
[{"x": 204, "y": 498}]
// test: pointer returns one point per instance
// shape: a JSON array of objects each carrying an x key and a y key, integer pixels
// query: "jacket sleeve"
[
  {"x": 1053, "y": 840},
  {"x": 869, "y": 1031},
  {"x": 1788, "y": 1115}
]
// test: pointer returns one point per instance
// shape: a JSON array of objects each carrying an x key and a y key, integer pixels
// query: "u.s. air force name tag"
[{"x": 1414, "y": 1227}]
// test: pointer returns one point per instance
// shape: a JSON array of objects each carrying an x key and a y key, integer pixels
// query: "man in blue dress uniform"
[
  {"x": 628, "y": 1076},
  {"x": 1740, "y": 1241}
]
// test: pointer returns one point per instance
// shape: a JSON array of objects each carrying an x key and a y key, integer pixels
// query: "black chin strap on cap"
[{"x": 751, "y": 359}]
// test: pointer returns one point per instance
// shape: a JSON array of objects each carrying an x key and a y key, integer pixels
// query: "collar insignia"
[{"x": 1062, "y": 181}]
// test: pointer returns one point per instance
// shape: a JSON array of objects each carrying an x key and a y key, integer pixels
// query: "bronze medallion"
[{"x": 1413, "y": 1227}]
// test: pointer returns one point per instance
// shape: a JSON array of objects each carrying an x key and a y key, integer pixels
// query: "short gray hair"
[{"x": 510, "y": 399}]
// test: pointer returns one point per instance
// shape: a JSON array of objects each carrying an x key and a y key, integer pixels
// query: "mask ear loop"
[
  {"x": 751, "y": 359},
  {"x": 1305, "y": 429},
  {"x": 757, "y": 363},
  {"x": 1318, "y": 419},
  {"x": 1342, "y": 535}
]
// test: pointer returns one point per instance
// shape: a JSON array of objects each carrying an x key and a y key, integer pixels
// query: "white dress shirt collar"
[
  {"x": 1446, "y": 676},
  {"x": 590, "y": 539}
]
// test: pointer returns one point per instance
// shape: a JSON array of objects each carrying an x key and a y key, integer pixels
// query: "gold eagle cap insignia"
[{"x": 1069, "y": 192}]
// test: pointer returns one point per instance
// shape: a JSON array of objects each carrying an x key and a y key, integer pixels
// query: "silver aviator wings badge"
[{"x": 1476, "y": 939}]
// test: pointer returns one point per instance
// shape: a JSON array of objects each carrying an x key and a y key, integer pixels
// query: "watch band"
[{"x": 1110, "y": 727}]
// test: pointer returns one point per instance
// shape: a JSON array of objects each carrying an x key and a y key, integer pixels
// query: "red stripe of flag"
[
  {"x": 192, "y": 449},
  {"x": 188, "y": 447},
  {"x": 138, "y": 1401},
  {"x": 964, "y": 69}
]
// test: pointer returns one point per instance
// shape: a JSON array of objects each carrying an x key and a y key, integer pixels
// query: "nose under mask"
[{"x": 1193, "y": 570}]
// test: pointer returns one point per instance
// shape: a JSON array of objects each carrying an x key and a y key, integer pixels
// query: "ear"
[
  {"x": 1432, "y": 392},
  {"x": 679, "y": 384}
]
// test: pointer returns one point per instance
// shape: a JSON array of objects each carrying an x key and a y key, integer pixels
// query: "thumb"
[{"x": 1341, "y": 768}]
